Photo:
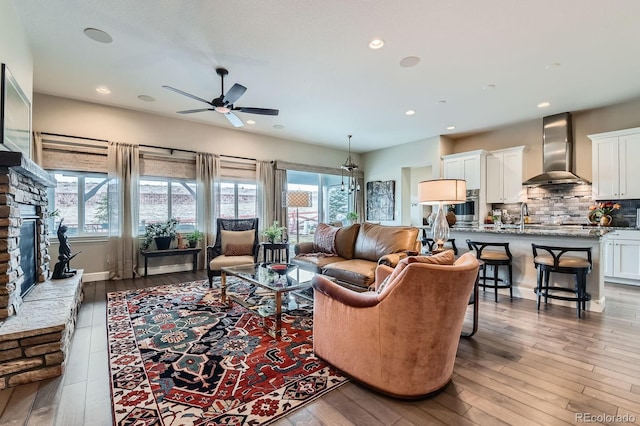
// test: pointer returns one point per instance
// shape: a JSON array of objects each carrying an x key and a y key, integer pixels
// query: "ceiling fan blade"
[
  {"x": 233, "y": 119},
  {"x": 191, "y": 111},
  {"x": 189, "y": 95},
  {"x": 261, "y": 111},
  {"x": 234, "y": 93}
]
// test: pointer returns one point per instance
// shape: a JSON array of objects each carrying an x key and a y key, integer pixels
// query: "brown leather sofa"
[
  {"x": 401, "y": 340},
  {"x": 359, "y": 248}
]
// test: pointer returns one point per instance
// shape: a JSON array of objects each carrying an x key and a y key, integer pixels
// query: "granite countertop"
[{"x": 552, "y": 230}]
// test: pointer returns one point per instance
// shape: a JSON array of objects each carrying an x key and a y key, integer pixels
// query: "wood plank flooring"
[{"x": 523, "y": 367}]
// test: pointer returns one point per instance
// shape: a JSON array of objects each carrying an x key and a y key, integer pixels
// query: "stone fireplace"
[
  {"x": 23, "y": 229},
  {"x": 37, "y": 316}
]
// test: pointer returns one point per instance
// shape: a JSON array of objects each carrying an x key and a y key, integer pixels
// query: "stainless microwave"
[{"x": 467, "y": 212}]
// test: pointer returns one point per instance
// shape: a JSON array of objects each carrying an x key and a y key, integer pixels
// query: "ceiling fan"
[{"x": 224, "y": 103}]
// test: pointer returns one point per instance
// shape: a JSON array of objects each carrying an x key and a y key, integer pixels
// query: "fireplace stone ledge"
[{"x": 34, "y": 346}]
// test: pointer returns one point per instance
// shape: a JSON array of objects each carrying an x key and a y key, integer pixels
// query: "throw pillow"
[
  {"x": 236, "y": 237},
  {"x": 444, "y": 258},
  {"x": 325, "y": 238},
  {"x": 239, "y": 250}
]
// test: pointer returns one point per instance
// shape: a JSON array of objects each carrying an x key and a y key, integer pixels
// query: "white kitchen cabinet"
[
  {"x": 465, "y": 165},
  {"x": 614, "y": 175},
  {"x": 504, "y": 175},
  {"x": 622, "y": 257}
]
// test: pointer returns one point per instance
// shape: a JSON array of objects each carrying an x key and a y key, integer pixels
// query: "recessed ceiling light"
[
  {"x": 409, "y": 61},
  {"x": 489, "y": 87},
  {"x": 98, "y": 35},
  {"x": 451, "y": 127},
  {"x": 147, "y": 98},
  {"x": 543, "y": 104},
  {"x": 553, "y": 66},
  {"x": 410, "y": 112},
  {"x": 442, "y": 102},
  {"x": 278, "y": 126},
  {"x": 376, "y": 43},
  {"x": 251, "y": 122},
  {"x": 103, "y": 90}
]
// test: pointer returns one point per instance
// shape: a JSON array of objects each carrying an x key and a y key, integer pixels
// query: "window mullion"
[{"x": 81, "y": 209}]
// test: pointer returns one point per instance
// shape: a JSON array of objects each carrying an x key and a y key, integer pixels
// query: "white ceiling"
[{"x": 310, "y": 59}]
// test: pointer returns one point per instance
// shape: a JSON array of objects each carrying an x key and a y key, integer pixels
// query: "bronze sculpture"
[{"x": 62, "y": 268}]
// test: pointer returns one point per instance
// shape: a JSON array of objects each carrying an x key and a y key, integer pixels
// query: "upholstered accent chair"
[
  {"x": 400, "y": 338},
  {"x": 236, "y": 243}
]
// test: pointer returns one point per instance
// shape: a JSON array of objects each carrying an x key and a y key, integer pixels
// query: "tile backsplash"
[{"x": 567, "y": 204}]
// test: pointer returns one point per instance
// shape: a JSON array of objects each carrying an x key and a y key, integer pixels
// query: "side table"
[
  {"x": 272, "y": 252},
  {"x": 473, "y": 300}
]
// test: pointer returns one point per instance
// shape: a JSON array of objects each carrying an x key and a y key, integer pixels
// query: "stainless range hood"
[{"x": 557, "y": 144}]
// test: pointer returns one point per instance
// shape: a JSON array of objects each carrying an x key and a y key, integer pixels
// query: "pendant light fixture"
[{"x": 349, "y": 169}]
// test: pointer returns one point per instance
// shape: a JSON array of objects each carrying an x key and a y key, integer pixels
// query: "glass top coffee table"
[{"x": 273, "y": 289}]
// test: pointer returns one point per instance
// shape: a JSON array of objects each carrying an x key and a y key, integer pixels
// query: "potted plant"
[
  {"x": 352, "y": 217},
  {"x": 193, "y": 237},
  {"x": 273, "y": 232},
  {"x": 161, "y": 233}
]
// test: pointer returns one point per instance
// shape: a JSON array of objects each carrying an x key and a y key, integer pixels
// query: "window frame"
[
  {"x": 81, "y": 211},
  {"x": 169, "y": 181},
  {"x": 236, "y": 182}
]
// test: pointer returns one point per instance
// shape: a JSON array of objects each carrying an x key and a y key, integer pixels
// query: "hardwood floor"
[{"x": 523, "y": 367}]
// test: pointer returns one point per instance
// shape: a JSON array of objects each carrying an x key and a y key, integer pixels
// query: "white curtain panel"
[
  {"x": 266, "y": 200},
  {"x": 123, "y": 164},
  {"x": 208, "y": 179}
]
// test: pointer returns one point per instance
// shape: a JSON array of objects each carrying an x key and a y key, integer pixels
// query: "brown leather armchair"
[{"x": 402, "y": 339}]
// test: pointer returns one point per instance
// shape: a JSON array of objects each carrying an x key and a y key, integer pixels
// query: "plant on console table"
[
  {"x": 161, "y": 233},
  {"x": 193, "y": 237},
  {"x": 602, "y": 212},
  {"x": 274, "y": 232}
]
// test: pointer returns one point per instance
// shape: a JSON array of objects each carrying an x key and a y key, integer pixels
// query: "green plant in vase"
[
  {"x": 274, "y": 232},
  {"x": 193, "y": 237},
  {"x": 161, "y": 233}
]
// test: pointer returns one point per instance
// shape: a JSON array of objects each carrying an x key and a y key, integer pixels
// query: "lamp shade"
[
  {"x": 298, "y": 199},
  {"x": 447, "y": 191}
]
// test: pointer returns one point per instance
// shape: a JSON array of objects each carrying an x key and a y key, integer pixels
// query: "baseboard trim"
[{"x": 152, "y": 270}]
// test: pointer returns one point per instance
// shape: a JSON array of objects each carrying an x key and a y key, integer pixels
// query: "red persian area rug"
[{"x": 177, "y": 356}]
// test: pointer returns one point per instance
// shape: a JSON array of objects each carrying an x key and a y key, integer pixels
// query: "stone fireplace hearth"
[{"x": 37, "y": 316}]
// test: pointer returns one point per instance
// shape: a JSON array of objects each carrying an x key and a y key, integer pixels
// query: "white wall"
[
  {"x": 14, "y": 48},
  {"x": 78, "y": 118},
  {"x": 405, "y": 164}
]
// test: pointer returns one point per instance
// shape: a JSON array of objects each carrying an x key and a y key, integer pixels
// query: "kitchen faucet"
[{"x": 524, "y": 211}]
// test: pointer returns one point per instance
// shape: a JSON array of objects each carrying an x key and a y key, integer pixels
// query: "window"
[
  {"x": 163, "y": 199},
  {"x": 238, "y": 200},
  {"x": 81, "y": 201},
  {"x": 328, "y": 202}
]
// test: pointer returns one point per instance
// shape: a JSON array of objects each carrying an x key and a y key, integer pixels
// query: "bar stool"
[
  {"x": 430, "y": 243},
  {"x": 494, "y": 257},
  {"x": 554, "y": 260}
]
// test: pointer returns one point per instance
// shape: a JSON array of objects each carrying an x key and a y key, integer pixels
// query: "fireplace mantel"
[{"x": 23, "y": 165}]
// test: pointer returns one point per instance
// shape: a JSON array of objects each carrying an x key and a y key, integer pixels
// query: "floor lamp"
[
  {"x": 298, "y": 199},
  {"x": 440, "y": 192}
]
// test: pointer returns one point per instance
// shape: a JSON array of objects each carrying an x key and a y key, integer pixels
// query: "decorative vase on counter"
[
  {"x": 593, "y": 217},
  {"x": 451, "y": 218},
  {"x": 605, "y": 220}
]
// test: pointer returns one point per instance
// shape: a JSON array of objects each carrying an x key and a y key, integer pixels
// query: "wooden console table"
[{"x": 170, "y": 252}]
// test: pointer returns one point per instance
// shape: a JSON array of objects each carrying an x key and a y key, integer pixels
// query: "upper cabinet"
[
  {"x": 613, "y": 158},
  {"x": 466, "y": 165},
  {"x": 505, "y": 175}
]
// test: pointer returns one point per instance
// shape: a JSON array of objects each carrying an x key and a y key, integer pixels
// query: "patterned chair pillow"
[{"x": 239, "y": 250}]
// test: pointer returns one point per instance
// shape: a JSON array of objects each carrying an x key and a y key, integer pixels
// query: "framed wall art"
[
  {"x": 15, "y": 115},
  {"x": 381, "y": 200}
]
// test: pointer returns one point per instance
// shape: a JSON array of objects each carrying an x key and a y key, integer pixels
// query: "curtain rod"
[
  {"x": 73, "y": 137},
  {"x": 146, "y": 146}
]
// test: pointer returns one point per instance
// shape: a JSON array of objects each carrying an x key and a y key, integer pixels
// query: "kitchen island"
[{"x": 524, "y": 271}]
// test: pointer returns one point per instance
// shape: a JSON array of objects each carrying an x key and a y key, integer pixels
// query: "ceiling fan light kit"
[{"x": 224, "y": 104}]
